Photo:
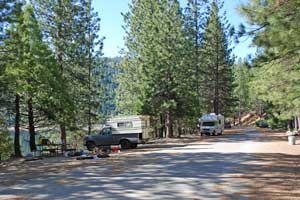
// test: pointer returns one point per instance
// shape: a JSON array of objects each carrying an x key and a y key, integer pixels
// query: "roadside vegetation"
[{"x": 177, "y": 65}]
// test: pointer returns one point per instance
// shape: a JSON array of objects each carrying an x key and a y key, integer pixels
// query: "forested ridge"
[{"x": 177, "y": 65}]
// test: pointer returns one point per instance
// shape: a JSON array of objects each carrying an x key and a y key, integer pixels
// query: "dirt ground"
[{"x": 243, "y": 163}]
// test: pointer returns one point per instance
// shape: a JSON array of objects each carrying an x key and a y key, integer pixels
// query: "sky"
[{"x": 112, "y": 21}]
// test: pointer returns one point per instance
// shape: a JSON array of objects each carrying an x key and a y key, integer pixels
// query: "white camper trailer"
[
  {"x": 211, "y": 124},
  {"x": 127, "y": 131},
  {"x": 130, "y": 125}
]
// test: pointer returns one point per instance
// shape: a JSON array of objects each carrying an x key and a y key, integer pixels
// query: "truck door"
[{"x": 106, "y": 137}]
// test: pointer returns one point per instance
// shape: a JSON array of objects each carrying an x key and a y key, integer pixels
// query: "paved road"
[{"x": 232, "y": 166}]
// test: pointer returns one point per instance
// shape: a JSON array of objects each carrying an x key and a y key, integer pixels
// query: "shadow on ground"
[
  {"x": 157, "y": 175},
  {"x": 176, "y": 176}
]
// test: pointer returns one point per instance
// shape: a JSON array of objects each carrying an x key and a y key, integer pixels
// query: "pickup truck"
[{"x": 108, "y": 137}]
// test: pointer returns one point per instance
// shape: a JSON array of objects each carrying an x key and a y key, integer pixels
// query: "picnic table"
[{"x": 53, "y": 149}]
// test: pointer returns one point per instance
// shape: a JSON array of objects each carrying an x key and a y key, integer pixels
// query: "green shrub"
[
  {"x": 275, "y": 123},
  {"x": 262, "y": 123},
  {"x": 6, "y": 144}
]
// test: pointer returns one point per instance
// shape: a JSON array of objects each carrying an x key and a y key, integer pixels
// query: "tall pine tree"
[
  {"x": 72, "y": 28},
  {"x": 218, "y": 82},
  {"x": 31, "y": 70},
  {"x": 155, "y": 43},
  {"x": 195, "y": 18},
  {"x": 275, "y": 32}
]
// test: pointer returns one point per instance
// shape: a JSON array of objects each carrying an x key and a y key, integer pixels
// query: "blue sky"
[{"x": 112, "y": 21}]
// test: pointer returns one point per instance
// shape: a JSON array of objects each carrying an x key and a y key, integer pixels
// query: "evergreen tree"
[
  {"x": 57, "y": 21},
  {"x": 276, "y": 77},
  {"x": 194, "y": 23},
  {"x": 10, "y": 82},
  {"x": 242, "y": 90},
  {"x": 218, "y": 82},
  {"x": 6, "y": 149},
  {"x": 155, "y": 43},
  {"x": 89, "y": 42},
  {"x": 31, "y": 69},
  {"x": 72, "y": 28}
]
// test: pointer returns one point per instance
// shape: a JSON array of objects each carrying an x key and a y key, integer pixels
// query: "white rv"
[
  {"x": 211, "y": 124},
  {"x": 127, "y": 131}
]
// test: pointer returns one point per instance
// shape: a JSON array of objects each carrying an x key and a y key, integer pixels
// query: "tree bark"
[
  {"x": 17, "y": 127},
  {"x": 298, "y": 121},
  {"x": 31, "y": 125},
  {"x": 296, "y": 127},
  {"x": 161, "y": 129},
  {"x": 89, "y": 49},
  {"x": 239, "y": 113},
  {"x": 169, "y": 125},
  {"x": 59, "y": 56},
  {"x": 63, "y": 136},
  {"x": 216, "y": 95}
]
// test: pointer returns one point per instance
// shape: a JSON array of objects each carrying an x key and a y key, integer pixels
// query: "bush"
[
  {"x": 275, "y": 123},
  {"x": 6, "y": 145},
  {"x": 262, "y": 123}
]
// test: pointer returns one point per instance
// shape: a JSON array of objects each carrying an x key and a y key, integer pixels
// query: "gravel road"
[{"x": 246, "y": 164}]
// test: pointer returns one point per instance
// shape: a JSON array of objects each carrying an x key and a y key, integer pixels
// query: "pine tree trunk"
[
  {"x": 298, "y": 122},
  {"x": 59, "y": 56},
  {"x": 169, "y": 125},
  {"x": 216, "y": 99},
  {"x": 197, "y": 54},
  {"x": 239, "y": 113},
  {"x": 179, "y": 128},
  {"x": 63, "y": 136},
  {"x": 161, "y": 129},
  {"x": 17, "y": 127},
  {"x": 90, "y": 70},
  {"x": 31, "y": 125}
]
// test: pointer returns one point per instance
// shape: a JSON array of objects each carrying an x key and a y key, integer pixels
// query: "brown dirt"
[
  {"x": 277, "y": 175},
  {"x": 234, "y": 131}
]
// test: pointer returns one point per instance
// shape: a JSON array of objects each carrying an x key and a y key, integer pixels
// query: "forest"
[{"x": 177, "y": 64}]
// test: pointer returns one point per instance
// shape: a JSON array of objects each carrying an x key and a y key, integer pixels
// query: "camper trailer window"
[
  {"x": 125, "y": 125},
  {"x": 208, "y": 123}
]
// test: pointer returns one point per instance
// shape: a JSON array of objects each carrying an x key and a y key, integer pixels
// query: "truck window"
[
  {"x": 208, "y": 123},
  {"x": 124, "y": 125},
  {"x": 105, "y": 131}
]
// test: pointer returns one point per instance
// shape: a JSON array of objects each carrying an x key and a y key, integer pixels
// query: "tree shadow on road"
[{"x": 168, "y": 176}]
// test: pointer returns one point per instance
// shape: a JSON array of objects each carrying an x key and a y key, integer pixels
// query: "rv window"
[{"x": 125, "y": 125}]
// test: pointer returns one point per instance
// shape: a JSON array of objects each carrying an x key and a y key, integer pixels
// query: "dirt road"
[{"x": 245, "y": 165}]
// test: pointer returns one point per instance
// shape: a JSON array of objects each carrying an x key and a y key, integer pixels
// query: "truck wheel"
[
  {"x": 134, "y": 145},
  {"x": 90, "y": 146},
  {"x": 125, "y": 144}
]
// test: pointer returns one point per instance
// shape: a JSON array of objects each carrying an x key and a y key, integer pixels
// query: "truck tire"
[
  {"x": 90, "y": 145},
  {"x": 134, "y": 145},
  {"x": 125, "y": 144}
]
